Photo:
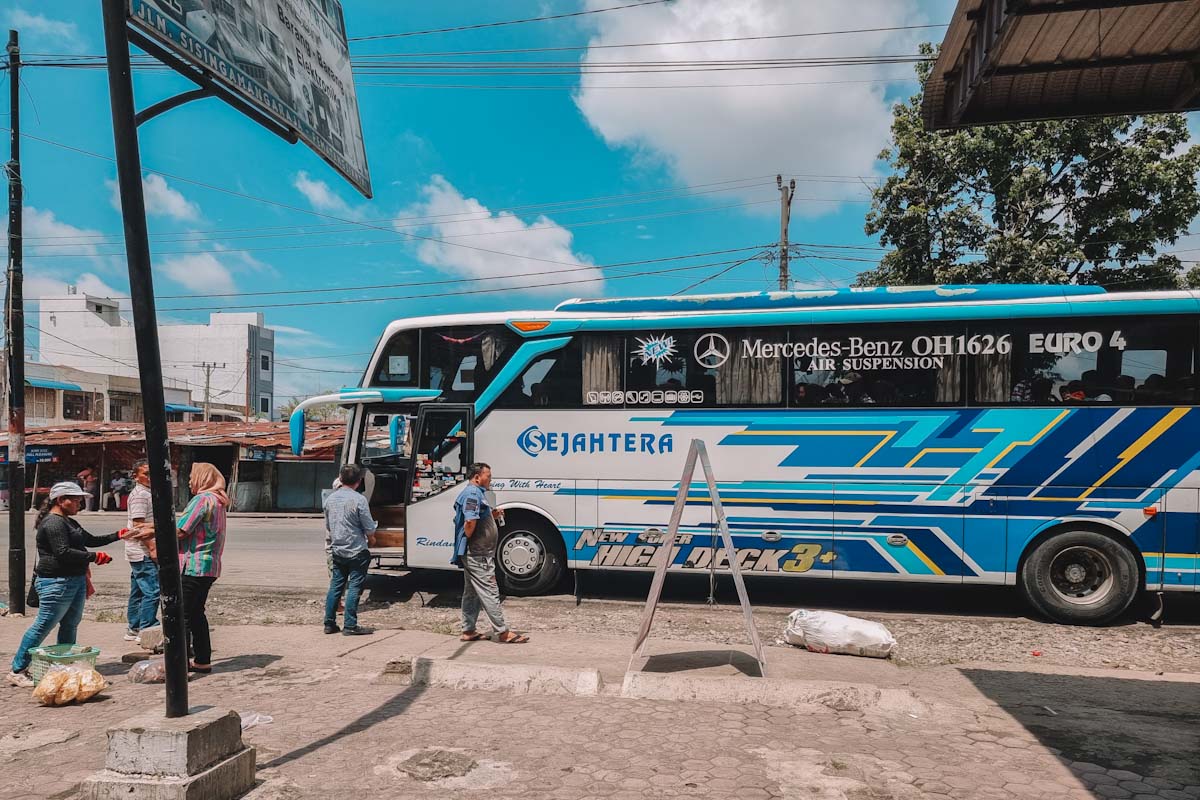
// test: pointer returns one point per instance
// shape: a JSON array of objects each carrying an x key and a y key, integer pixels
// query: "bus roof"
[
  {"x": 825, "y": 298},
  {"x": 875, "y": 304}
]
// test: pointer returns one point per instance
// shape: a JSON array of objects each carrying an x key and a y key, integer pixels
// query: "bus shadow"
[
  {"x": 430, "y": 589},
  {"x": 1147, "y": 727},
  {"x": 865, "y": 596}
]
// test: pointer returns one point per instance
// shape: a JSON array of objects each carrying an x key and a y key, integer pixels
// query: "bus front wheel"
[
  {"x": 1080, "y": 577},
  {"x": 530, "y": 557}
]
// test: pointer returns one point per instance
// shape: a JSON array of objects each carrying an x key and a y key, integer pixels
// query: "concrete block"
[
  {"x": 229, "y": 778},
  {"x": 774, "y": 692},
  {"x": 397, "y": 671},
  {"x": 151, "y": 744},
  {"x": 516, "y": 678}
]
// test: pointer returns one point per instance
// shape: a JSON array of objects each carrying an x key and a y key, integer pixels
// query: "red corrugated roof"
[{"x": 319, "y": 437}]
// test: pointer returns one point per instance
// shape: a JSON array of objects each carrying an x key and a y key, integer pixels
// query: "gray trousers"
[{"x": 481, "y": 591}]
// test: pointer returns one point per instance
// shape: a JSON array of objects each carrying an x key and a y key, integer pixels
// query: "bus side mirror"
[{"x": 296, "y": 427}]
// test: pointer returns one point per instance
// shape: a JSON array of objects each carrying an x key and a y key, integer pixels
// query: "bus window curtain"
[
  {"x": 950, "y": 381},
  {"x": 601, "y": 364},
  {"x": 750, "y": 382},
  {"x": 489, "y": 351},
  {"x": 993, "y": 378}
]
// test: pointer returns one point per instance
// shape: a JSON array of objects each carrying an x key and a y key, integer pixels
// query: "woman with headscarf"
[{"x": 201, "y": 541}]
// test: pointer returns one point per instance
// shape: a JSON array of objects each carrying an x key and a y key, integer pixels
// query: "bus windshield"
[{"x": 458, "y": 360}]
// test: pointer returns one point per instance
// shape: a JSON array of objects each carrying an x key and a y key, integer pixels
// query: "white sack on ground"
[{"x": 831, "y": 632}]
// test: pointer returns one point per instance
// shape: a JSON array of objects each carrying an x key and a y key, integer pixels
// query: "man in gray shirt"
[{"x": 348, "y": 523}]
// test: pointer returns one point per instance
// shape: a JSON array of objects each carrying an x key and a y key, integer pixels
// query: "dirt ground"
[{"x": 987, "y": 626}]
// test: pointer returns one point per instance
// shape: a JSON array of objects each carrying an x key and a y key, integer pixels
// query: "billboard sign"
[
  {"x": 286, "y": 58},
  {"x": 33, "y": 455}
]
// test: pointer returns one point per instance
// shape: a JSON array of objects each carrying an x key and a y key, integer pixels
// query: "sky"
[{"x": 491, "y": 191}]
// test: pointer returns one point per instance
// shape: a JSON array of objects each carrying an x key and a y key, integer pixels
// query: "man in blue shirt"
[
  {"x": 348, "y": 523},
  {"x": 475, "y": 536}
]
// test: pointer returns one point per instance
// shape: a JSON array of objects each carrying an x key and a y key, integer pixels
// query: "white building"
[{"x": 233, "y": 355}]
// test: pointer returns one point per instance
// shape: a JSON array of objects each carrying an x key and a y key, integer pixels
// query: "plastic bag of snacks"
[
  {"x": 152, "y": 670},
  {"x": 71, "y": 683}
]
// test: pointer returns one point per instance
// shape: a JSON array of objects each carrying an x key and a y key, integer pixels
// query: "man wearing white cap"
[{"x": 60, "y": 577}]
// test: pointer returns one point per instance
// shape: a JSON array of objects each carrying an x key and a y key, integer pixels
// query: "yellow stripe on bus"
[{"x": 926, "y": 560}]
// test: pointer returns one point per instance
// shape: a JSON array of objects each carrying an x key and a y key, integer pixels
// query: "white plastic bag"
[
  {"x": 830, "y": 632},
  {"x": 152, "y": 670}
]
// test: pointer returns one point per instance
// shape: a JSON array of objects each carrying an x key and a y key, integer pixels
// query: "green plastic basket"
[{"x": 59, "y": 655}]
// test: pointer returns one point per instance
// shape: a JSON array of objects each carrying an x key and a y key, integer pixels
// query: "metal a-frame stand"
[{"x": 667, "y": 548}]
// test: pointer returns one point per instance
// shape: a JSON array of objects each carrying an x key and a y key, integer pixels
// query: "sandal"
[
  {"x": 200, "y": 670},
  {"x": 471, "y": 637},
  {"x": 516, "y": 638}
]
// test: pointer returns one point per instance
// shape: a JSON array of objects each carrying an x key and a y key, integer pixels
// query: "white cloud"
[
  {"x": 161, "y": 199},
  {"x": 537, "y": 246},
  {"x": 704, "y": 135},
  {"x": 46, "y": 235},
  {"x": 200, "y": 272},
  {"x": 322, "y": 197},
  {"x": 39, "y": 286},
  {"x": 288, "y": 329},
  {"x": 62, "y": 34}
]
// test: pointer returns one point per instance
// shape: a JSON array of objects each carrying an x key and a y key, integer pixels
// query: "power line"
[
  {"x": 717, "y": 274},
  {"x": 396, "y": 242},
  {"x": 440, "y": 282},
  {"x": 301, "y": 210},
  {"x": 481, "y": 25},
  {"x": 557, "y": 207},
  {"x": 590, "y": 86},
  {"x": 592, "y": 46}
]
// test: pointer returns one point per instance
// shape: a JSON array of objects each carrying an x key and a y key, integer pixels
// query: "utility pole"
[
  {"x": 246, "y": 411},
  {"x": 208, "y": 371},
  {"x": 149, "y": 357},
  {"x": 785, "y": 217},
  {"x": 14, "y": 329}
]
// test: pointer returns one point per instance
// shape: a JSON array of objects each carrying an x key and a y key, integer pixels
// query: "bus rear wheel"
[
  {"x": 530, "y": 559},
  {"x": 1080, "y": 577}
]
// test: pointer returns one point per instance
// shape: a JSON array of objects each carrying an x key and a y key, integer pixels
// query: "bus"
[{"x": 1040, "y": 437}]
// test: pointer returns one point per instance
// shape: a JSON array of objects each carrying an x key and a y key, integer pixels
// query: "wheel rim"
[
  {"x": 1082, "y": 575},
  {"x": 522, "y": 554}
]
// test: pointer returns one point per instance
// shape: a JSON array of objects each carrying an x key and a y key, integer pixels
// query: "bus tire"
[
  {"x": 1080, "y": 577},
  {"x": 530, "y": 557}
]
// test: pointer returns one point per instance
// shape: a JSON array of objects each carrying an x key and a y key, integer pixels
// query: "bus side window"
[
  {"x": 722, "y": 367},
  {"x": 1081, "y": 360},
  {"x": 906, "y": 364},
  {"x": 553, "y": 381}
]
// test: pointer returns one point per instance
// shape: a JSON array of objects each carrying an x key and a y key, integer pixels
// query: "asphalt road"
[
  {"x": 272, "y": 553},
  {"x": 287, "y": 554}
]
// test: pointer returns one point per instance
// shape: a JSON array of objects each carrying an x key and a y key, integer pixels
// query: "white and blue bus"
[{"x": 1036, "y": 436}]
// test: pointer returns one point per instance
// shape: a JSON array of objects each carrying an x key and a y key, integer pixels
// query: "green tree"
[
  {"x": 321, "y": 413},
  {"x": 1064, "y": 201}
]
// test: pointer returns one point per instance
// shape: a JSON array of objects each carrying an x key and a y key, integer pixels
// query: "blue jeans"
[
  {"x": 60, "y": 602},
  {"x": 348, "y": 575},
  {"x": 142, "y": 612}
]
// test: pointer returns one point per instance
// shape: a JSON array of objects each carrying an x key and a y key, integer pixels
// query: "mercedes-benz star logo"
[{"x": 712, "y": 350}]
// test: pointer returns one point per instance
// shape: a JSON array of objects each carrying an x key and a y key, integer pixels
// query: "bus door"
[
  {"x": 385, "y": 453},
  {"x": 442, "y": 445}
]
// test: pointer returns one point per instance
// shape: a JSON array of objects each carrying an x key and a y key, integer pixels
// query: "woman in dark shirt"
[{"x": 60, "y": 575}]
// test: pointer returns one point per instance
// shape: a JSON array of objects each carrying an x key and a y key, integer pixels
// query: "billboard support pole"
[
  {"x": 14, "y": 319},
  {"x": 145, "y": 325},
  {"x": 163, "y": 106}
]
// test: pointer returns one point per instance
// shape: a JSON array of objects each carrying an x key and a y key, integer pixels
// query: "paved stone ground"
[{"x": 335, "y": 732}]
